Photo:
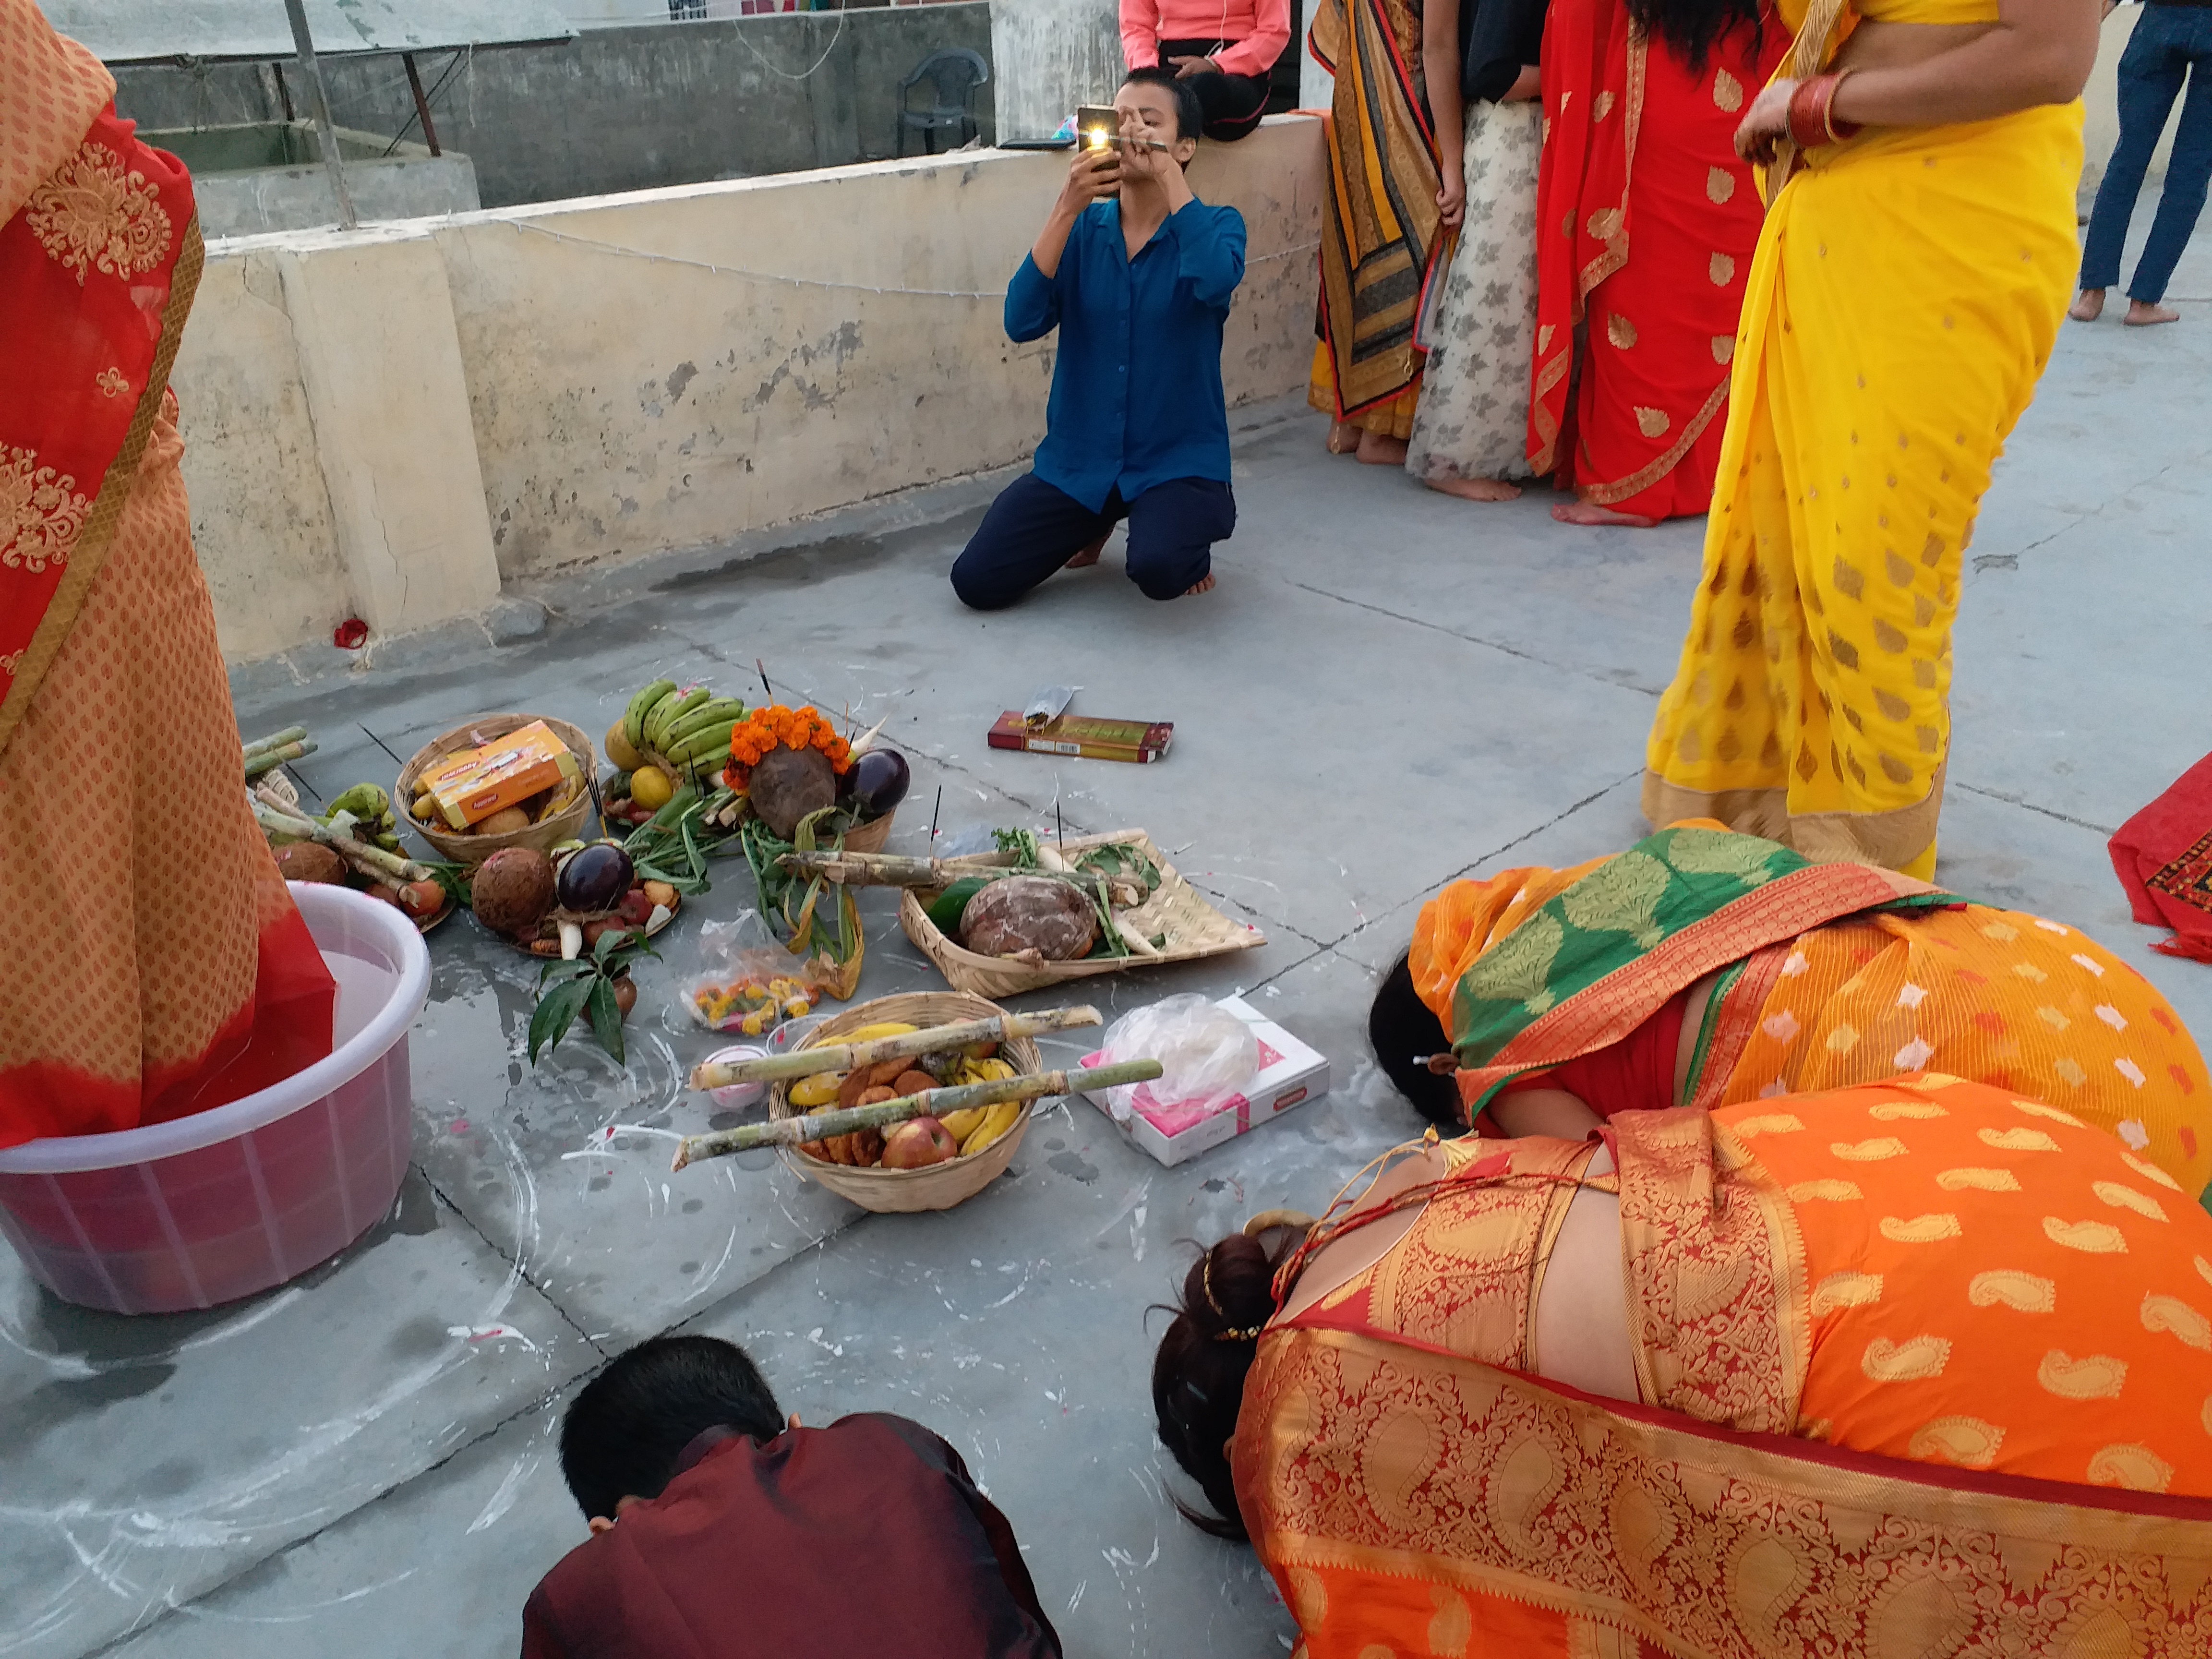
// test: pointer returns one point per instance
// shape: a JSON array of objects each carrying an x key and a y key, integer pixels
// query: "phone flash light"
[{"x": 1096, "y": 136}]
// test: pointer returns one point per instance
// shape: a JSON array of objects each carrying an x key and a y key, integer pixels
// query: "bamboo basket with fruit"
[
  {"x": 981, "y": 1149},
  {"x": 1036, "y": 913},
  {"x": 541, "y": 821}
]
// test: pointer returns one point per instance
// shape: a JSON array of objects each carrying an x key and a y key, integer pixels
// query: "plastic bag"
[
  {"x": 1207, "y": 1057},
  {"x": 743, "y": 979}
]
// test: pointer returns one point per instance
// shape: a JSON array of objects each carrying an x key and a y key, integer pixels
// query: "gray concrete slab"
[
  {"x": 1391, "y": 688},
  {"x": 147, "y": 1459}
]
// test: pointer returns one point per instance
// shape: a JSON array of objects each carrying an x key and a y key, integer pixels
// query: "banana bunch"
[
  {"x": 685, "y": 726},
  {"x": 979, "y": 1126},
  {"x": 364, "y": 811}
]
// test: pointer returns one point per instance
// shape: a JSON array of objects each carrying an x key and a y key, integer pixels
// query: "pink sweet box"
[{"x": 1291, "y": 1073}]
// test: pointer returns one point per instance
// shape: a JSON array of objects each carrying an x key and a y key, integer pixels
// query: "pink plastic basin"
[{"x": 227, "y": 1202}]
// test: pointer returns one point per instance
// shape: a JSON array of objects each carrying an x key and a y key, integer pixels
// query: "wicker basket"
[
  {"x": 938, "y": 1186},
  {"x": 869, "y": 837},
  {"x": 1194, "y": 929},
  {"x": 472, "y": 850}
]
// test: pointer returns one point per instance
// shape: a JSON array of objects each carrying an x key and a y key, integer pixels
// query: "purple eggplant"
[
  {"x": 877, "y": 782},
  {"x": 595, "y": 877}
]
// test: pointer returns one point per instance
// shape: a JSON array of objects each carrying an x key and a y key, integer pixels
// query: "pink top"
[{"x": 1260, "y": 29}]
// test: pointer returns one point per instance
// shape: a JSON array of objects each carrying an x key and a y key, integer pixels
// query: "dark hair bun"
[{"x": 1198, "y": 1375}]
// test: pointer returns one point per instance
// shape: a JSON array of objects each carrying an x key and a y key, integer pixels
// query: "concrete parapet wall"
[{"x": 397, "y": 422}]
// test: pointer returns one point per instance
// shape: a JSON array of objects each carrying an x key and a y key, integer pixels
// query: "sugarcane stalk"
[
  {"x": 268, "y": 760},
  {"x": 892, "y": 869},
  {"x": 274, "y": 740},
  {"x": 935, "y": 1103},
  {"x": 369, "y": 860},
  {"x": 843, "y": 1057}
]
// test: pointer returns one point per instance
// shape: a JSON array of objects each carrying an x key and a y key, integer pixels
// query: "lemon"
[
  {"x": 621, "y": 751},
  {"x": 650, "y": 789}
]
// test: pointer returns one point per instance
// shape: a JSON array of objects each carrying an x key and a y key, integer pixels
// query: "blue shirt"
[{"x": 1136, "y": 394}]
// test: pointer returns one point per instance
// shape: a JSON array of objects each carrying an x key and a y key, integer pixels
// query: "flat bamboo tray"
[
  {"x": 566, "y": 824},
  {"x": 1192, "y": 927},
  {"x": 939, "y": 1186}
]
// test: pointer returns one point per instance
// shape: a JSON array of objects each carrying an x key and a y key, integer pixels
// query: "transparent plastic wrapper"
[
  {"x": 1208, "y": 1056},
  {"x": 742, "y": 979}
]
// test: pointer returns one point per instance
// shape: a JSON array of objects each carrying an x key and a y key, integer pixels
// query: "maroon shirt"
[{"x": 864, "y": 1537}]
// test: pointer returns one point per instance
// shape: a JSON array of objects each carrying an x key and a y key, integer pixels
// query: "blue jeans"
[{"x": 2169, "y": 43}]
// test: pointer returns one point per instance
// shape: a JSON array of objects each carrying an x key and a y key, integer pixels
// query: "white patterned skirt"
[{"x": 1472, "y": 422}]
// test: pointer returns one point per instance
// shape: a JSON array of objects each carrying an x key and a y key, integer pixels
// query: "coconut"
[
  {"x": 790, "y": 783},
  {"x": 1030, "y": 913},
  {"x": 309, "y": 861},
  {"x": 513, "y": 891}
]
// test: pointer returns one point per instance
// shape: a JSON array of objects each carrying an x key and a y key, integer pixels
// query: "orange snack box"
[{"x": 470, "y": 785}]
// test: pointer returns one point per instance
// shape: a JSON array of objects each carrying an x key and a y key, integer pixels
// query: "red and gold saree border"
[
  {"x": 1615, "y": 1005},
  {"x": 1359, "y": 1461}
]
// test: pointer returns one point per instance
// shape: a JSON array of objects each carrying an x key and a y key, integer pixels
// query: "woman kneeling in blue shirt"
[{"x": 1137, "y": 274}]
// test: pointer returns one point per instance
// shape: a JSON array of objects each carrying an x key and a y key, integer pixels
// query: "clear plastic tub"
[{"x": 217, "y": 1205}]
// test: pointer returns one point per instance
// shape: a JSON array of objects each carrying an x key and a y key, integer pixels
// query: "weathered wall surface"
[
  {"x": 1051, "y": 55},
  {"x": 394, "y": 422},
  {"x": 622, "y": 108},
  {"x": 261, "y": 517}
]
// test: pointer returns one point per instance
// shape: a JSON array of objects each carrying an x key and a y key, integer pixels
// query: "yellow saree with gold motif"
[{"x": 1905, "y": 297}]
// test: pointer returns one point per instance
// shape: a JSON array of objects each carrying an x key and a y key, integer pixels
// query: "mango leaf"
[
  {"x": 555, "y": 1012},
  {"x": 606, "y": 1018}
]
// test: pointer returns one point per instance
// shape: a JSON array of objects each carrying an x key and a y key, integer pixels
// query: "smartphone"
[{"x": 1098, "y": 126}]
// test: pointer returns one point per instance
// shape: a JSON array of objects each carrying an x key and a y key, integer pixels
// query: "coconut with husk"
[{"x": 788, "y": 785}]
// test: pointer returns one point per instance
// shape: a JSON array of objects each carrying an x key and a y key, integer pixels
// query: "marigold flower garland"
[{"x": 778, "y": 727}]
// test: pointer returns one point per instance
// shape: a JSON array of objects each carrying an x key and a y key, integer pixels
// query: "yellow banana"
[
  {"x": 820, "y": 1089},
  {"x": 960, "y": 1125},
  {"x": 997, "y": 1121},
  {"x": 869, "y": 1033}
]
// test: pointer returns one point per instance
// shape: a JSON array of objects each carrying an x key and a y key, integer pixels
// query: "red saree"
[
  {"x": 159, "y": 966},
  {"x": 1638, "y": 153}
]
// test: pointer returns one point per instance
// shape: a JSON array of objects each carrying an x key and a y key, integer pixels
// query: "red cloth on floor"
[
  {"x": 1635, "y": 1074},
  {"x": 865, "y": 1538},
  {"x": 2163, "y": 856}
]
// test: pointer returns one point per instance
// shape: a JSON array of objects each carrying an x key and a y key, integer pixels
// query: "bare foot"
[
  {"x": 1089, "y": 555},
  {"x": 2141, "y": 314},
  {"x": 1591, "y": 512},
  {"x": 1476, "y": 489},
  {"x": 2089, "y": 306},
  {"x": 1343, "y": 438},
  {"x": 1203, "y": 584},
  {"x": 1377, "y": 450}
]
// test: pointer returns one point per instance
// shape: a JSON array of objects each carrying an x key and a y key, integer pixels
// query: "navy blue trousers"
[
  {"x": 1033, "y": 528},
  {"x": 2170, "y": 43}
]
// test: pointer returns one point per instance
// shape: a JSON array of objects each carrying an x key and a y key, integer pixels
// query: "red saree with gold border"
[
  {"x": 1646, "y": 220},
  {"x": 1860, "y": 1431},
  {"x": 158, "y": 966}
]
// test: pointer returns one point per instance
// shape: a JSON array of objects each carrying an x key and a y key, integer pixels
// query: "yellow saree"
[
  {"x": 1904, "y": 299},
  {"x": 1380, "y": 234}
]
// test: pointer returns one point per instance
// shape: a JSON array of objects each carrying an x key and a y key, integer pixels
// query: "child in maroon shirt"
[{"x": 720, "y": 1533}]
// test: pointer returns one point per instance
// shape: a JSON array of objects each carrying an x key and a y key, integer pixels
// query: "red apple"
[
  {"x": 918, "y": 1143},
  {"x": 635, "y": 910}
]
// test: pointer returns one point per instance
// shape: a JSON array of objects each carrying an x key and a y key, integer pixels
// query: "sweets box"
[
  {"x": 1291, "y": 1073},
  {"x": 1080, "y": 734},
  {"x": 472, "y": 785}
]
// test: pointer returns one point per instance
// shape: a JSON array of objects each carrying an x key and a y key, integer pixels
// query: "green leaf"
[
  {"x": 558, "y": 969},
  {"x": 606, "y": 1018},
  {"x": 555, "y": 1012},
  {"x": 613, "y": 940}
]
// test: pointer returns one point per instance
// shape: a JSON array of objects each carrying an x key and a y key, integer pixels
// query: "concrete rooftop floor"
[{"x": 1391, "y": 688}]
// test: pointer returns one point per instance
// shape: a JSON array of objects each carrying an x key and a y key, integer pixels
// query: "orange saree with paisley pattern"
[
  {"x": 1823, "y": 975},
  {"x": 157, "y": 965},
  {"x": 1922, "y": 1370},
  {"x": 1646, "y": 220}
]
